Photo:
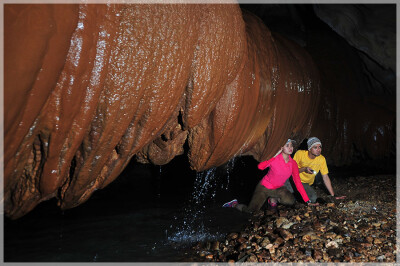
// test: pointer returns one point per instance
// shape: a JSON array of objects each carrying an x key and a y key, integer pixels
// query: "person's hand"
[
  {"x": 340, "y": 197},
  {"x": 309, "y": 170},
  {"x": 337, "y": 197},
  {"x": 309, "y": 203}
]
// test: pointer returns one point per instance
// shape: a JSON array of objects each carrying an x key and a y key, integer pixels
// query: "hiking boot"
[{"x": 230, "y": 204}]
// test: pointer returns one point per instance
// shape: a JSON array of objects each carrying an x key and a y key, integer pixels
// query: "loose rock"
[{"x": 359, "y": 229}]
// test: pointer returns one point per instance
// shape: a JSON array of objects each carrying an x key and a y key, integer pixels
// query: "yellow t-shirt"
[{"x": 317, "y": 164}]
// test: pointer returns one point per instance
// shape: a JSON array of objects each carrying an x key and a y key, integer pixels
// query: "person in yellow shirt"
[{"x": 311, "y": 162}]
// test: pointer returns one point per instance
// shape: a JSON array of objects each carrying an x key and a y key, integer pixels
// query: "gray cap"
[{"x": 313, "y": 141}]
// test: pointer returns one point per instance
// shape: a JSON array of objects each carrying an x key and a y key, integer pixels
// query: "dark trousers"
[
  {"x": 312, "y": 195},
  {"x": 261, "y": 194}
]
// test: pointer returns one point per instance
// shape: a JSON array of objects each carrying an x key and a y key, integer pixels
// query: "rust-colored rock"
[{"x": 87, "y": 87}]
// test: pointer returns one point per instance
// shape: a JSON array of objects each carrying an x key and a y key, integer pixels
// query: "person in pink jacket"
[{"x": 272, "y": 186}]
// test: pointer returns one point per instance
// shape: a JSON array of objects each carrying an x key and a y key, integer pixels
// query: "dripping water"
[
  {"x": 229, "y": 169},
  {"x": 61, "y": 231},
  {"x": 193, "y": 228},
  {"x": 159, "y": 184}
]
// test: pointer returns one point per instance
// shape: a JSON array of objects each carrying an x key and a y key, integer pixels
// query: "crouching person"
[{"x": 272, "y": 186}]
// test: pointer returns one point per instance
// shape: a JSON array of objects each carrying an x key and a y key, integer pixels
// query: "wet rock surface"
[
  {"x": 360, "y": 228},
  {"x": 87, "y": 88},
  {"x": 145, "y": 82}
]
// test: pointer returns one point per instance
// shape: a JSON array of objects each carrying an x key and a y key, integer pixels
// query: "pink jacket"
[{"x": 279, "y": 172}]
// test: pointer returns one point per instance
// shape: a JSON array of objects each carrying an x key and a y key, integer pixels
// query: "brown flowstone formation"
[{"x": 87, "y": 87}]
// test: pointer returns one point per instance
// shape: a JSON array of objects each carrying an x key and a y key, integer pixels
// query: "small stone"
[
  {"x": 315, "y": 237},
  {"x": 215, "y": 246},
  {"x": 242, "y": 256},
  {"x": 307, "y": 236},
  {"x": 243, "y": 246},
  {"x": 257, "y": 237},
  {"x": 252, "y": 258},
  {"x": 232, "y": 236},
  {"x": 332, "y": 244},
  {"x": 330, "y": 235},
  {"x": 317, "y": 255},
  {"x": 308, "y": 253},
  {"x": 369, "y": 239},
  {"x": 241, "y": 240},
  {"x": 325, "y": 256},
  {"x": 377, "y": 225},
  {"x": 244, "y": 234},
  {"x": 262, "y": 255},
  {"x": 279, "y": 241},
  {"x": 280, "y": 221},
  {"x": 286, "y": 235},
  {"x": 334, "y": 252},
  {"x": 388, "y": 255},
  {"x": 271, "y": 250},
  {"x": 366, "y": 245},
  {"x": 288, "y": 225},
  {"x": 265, "y": 242},
  {"x": 255, "y": 246},
  {"x": 283, "y": 213},
  {"x": 385, "y": 226}
]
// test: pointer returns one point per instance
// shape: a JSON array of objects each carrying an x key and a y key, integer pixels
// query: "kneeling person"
[{"x": 271, "y": 187}]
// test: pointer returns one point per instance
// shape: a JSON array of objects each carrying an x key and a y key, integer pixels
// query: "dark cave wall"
[
  {"x": 354, "y": 124},
  {"x": 353, "y": 46}
]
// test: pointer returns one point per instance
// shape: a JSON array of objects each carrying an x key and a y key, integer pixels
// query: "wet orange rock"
[{"x": 89, "y": 87}]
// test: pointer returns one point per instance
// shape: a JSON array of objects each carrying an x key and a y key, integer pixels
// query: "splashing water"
[{"x": 193, "y": 228}]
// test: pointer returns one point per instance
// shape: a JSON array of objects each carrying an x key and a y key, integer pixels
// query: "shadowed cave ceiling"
[{"x": 89, "y": 87}]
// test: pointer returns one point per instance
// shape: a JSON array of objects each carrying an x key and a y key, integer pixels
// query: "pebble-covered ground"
[{"x": 360, "y": 228}]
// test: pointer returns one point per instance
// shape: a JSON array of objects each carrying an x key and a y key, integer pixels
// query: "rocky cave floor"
[{"x": 360, "y": 228}]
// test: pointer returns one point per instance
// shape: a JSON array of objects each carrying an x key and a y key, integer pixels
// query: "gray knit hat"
[{"x": 313, "y": 141}]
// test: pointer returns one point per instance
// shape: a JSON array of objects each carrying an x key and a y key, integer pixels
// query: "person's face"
[
  {"x": 316, "y": 150},
  {"x": 288, "y": 148}
]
